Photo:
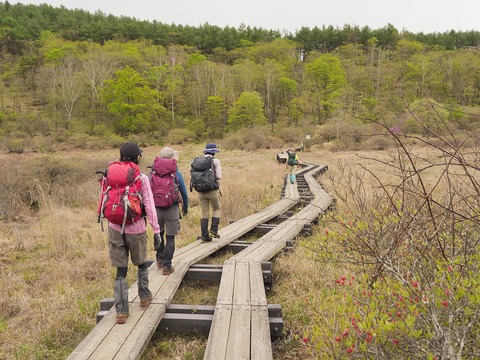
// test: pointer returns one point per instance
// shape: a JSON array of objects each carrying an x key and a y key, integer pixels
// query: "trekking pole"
[{"x": 100, "y": 195}]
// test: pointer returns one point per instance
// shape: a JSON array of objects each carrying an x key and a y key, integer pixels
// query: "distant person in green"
[
  {"x": 292, "y": 164},
  {"x": 292, "y": 160}
]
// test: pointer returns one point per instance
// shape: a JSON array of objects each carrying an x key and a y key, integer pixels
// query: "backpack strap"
[{"x": 126, "y": 202}]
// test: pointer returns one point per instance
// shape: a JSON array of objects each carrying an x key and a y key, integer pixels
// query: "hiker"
[
  {"x": 169, "y": 215},
  {"x": 205, "y": 174},
  {"x": 292, "y": 160},
  {"x": 292, "y": 164},
  {"x": 131, "y": 240}
]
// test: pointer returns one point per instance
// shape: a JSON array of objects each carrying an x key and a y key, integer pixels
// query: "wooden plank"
[
  {"x": 214, "y": 274},
  {"x": 164, "y": 287},
  {"x": 185, "y": 320},
  {"x": 113, "y": 341},
  {"x": 257, "y": 288},
  {"x": 186, "y": 323},
  {"x": 274, "y": 310},
  {"x": 225, "y": 291},
  {"x": 218, "y": 336},
  {"x": 261, "y": 343},
  {"x": 207, "y": 274},
  {"x": 94, "y": 338},
  {"x": 238, "y": 346},
  {"x": 241, "y": 289},
  {"x": 138, "y": 339}
]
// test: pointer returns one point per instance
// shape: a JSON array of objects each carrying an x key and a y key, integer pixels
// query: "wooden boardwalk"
[
  {"x": 241, "y": 312},
  {"x": 240, "y": 327}
]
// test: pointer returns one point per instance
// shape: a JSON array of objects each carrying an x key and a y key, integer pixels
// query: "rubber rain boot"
[
  {"x": 205, "y": 235},
  {"x": 214, "y": 228}
]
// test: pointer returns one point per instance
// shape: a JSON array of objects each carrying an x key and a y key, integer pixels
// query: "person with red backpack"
[
  {"x": 127, "y": 194},
  {"x": 169, "y": 192}
]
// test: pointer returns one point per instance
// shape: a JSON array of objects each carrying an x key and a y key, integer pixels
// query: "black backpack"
[{"x": 202, "y": 174}]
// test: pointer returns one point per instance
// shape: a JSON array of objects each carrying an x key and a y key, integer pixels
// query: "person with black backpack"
[
  {"x": 205, "y": 173},
  {"x": 126, "y": 190},
  {"x": 169, "y": 193}
]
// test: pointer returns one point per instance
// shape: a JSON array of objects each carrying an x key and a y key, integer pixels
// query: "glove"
[{"x": 185, "y": 211}]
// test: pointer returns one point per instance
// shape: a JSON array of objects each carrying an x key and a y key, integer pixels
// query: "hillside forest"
[{"x": 70, "y": 78}]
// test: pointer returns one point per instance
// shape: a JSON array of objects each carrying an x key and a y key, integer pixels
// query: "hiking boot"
[
  {"x": 159, "y": 264},
  {"x": 145, "y": 301},
  {"x": 206, "y": 239},
  {"x": 167, "y": 270},
  {"x": 122, "y": 318}
]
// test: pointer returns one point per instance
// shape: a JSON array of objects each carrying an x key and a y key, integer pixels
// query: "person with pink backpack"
[{"x": 169, "y": 193}]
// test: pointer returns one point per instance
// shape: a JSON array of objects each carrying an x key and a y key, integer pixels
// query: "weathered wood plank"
[
  {"x": 198, "y": 319},
  {"x": 140, "y": 320},
  {"x": 261, "y": 345},
  {"x": 238, "y": 346},
  {"x": 257, "y": 288},
  {"x": 136, "y": 343},
  {"x": 218, "y": 336},
  {"x": 94, "y": 338},
  {"x": 225, "y": 291},
  {"x": 241, "y": 289}
]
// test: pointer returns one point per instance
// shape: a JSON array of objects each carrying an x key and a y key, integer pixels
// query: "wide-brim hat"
[
  {"x": 130, "y": 150},
  {"x": 211, "y": 149}
]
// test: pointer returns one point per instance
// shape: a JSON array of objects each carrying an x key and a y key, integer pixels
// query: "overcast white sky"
[{"x": 412, "y": 15}]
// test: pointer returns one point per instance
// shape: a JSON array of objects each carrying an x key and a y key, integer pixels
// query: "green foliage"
[
  {"x": 325, "y": 80},
  {"x": 214, "y": 115},
  {"x": 428, "y": 116},
  {"x": 137, "y": 105},
  {"x": 15, "y": 145},
  {"x": 57, "y": 74},
  {"x": 180, "y": 136},
  {"x": 252, "y": 139},
  {"x": 246, "y": 111}
]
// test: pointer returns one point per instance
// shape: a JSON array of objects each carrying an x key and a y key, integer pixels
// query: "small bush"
[
  {"x": 16, "y": 146},
  {"x": 180, "y": 136},
  {"x": 252, "y": 139},
  {"x": 377, "y": 143}
]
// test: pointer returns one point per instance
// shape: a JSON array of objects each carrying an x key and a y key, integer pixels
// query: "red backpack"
[
  {"x": 164, "y": 183},
  {"x": 121, "y": 200}
]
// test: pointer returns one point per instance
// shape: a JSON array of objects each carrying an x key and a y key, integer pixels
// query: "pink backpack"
[{"x": 164, "y": 183}]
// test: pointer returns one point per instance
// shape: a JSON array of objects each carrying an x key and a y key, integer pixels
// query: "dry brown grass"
[
  {"x": 55, "y": 266},
  {"x": 54, "y": 263}
]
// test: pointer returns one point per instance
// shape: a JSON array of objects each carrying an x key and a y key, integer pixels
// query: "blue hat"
[{"x": 211, "y": 149}]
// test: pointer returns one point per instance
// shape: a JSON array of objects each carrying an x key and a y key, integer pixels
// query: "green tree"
[
  {"x": 137, "y": 107},
  {"x": 247, "y": 111},
  {"x": 214, "y": 110},
  {"x": 325, "y": 79}
]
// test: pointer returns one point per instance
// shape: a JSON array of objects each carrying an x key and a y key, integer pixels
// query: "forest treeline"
[{"x": 72, "y": 76}]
